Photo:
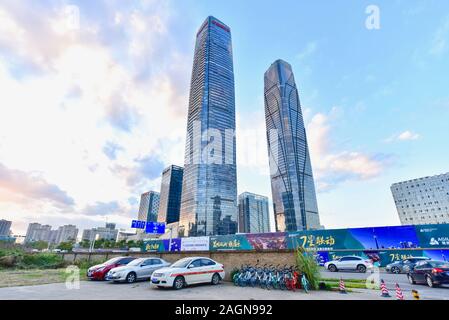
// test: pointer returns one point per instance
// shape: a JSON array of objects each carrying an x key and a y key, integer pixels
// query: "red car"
[{"x": 99, "y": 271}]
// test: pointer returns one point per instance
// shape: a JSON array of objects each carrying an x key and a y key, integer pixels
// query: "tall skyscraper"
[
  {"x": 253, "y": 213},
  {"x": 5, "y": 227},
  {"x": 294, "y": 199},
  {"x": 423, "y": 200},
  {"x": 170, "y": 196},
  {"x": 149, "y": 207},
  {"x": 209, "y": 191}
]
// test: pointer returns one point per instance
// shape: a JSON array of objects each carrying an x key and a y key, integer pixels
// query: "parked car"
[
  {"x": 138, "y": 269},
  {"x": 430, "y": 272},
  {"x": 99, "y": 271},
  {"x": 354, "y": 263},
  {"x": 189, "y": 271},
  {"x": 403, "y": 266}
]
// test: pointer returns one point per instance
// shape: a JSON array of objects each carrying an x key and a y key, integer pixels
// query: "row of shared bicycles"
[{"x": 271, "y": 277}]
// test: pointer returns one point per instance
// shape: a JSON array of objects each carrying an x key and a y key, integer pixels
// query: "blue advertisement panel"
[
  {"x": 397, "y": 237},
  {"x": 433, "y": 236},
  {"x": 442, "y": 255}
]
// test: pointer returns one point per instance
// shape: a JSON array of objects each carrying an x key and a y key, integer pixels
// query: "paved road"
[
  {"x": 391, "y": 279},
  {"x": 143, "y": 290}
]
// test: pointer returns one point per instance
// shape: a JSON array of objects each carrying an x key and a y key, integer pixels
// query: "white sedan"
[
  {"x": 138, "y": 269},
  {"x": 353, "y": 263},
  {"x": 189, "y": 271}
]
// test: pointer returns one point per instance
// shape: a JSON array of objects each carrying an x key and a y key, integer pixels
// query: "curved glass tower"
[
  {"x": 209, "y": 190},
  {"x": 292, "y": 186}
]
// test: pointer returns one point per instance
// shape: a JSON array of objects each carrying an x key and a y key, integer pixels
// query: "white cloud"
[
  {"x": 439, "y": 43},
  {"x": 404, "y": 136},
  {"x": 332, "y": 167},
  {"x": 309, "y": 50},
  {"x": 73, "y": 93}
]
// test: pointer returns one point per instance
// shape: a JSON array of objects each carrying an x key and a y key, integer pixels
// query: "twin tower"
[{"x": 209, "y": 190}]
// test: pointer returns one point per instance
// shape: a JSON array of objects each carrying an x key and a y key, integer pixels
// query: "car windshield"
[
  {"x": 113, "y": 260},
  {"x": 136, "y": 262},
  {"x": 439, "y": 264},
  {"x": 181, "y": 263}
]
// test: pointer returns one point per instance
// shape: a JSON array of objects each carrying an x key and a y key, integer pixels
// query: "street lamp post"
[{"x": 92, "y": 243}]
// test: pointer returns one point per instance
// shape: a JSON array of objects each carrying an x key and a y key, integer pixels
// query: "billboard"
[
  {"x": 195, "y": 244},
  {"x": 229, "y": 242},
  {"x": 375, "y": 243},
  {"x": 433, "y": 236}
]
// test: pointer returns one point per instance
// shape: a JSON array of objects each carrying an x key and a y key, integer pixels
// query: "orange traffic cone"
[
  {"x": 384, "y": 289},
  {"x": 399, "y": 295},
  {"x": 342, "y": 286}
]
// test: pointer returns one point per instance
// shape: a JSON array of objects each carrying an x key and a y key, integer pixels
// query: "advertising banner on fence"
[
  {"x": 268, "y": 241},
  {"x": 373, "y": 240},
  {"x": 230, "y": 242},
  {"x": 195, "y": 244},
  {"x": 323, "y": 240},
  {"x": 433, "y": 236},
  {"x": 153, "y": 245}
]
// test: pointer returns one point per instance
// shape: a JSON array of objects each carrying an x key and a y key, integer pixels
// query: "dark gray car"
[{"x": 403, "y": 266}]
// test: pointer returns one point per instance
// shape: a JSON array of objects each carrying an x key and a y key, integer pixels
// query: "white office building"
[{"x": 423, "y": 200}]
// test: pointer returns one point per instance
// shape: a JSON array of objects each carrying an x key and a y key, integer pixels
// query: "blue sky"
[{"x": 102, "y": 105}]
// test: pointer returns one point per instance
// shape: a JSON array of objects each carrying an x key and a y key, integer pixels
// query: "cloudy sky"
[{"x": 91, "y": 112}]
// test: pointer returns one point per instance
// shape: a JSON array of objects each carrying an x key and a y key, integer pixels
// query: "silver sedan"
[{"x": 138, "y": 269}]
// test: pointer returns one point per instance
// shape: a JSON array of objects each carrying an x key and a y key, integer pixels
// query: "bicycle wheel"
[{"x": 305, "y": 284}]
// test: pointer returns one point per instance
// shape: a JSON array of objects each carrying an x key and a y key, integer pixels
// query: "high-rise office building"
[
  {"x": 209, "y": 190},
  {"x": 149, "y": 207},
  {"x": 170, "y": 196},
  {"x": 5, "y": 227},
  {"x": 253, "y": 213},
  {"x": 423, "y": 200},
  {"x": 293, "y": 189}
]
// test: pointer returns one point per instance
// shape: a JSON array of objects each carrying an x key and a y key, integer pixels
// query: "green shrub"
[
  {"x": 41, "y": 261},
  {"x": 233, "y": 272},
  {"x": 307, "y": 265}
]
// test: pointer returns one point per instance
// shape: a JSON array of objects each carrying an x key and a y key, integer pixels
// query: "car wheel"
[
  {"x": 361, "y": 268},
  {"x": 332, "y": 268},
  {"x": 131, "y": 277},
  {"x": 430, "y": 282},
  {"x": 411, "y": 280},
  {"x": 395, "y": 270},
  {"x": 215, "y": 279},
  {"x": 179, "y": 283}
]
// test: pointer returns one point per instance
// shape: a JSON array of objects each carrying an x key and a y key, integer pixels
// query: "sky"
[{"x": 94, "y": 97}]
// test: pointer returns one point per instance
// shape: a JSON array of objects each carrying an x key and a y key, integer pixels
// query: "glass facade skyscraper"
[
  {"x": 170, "y": 196},
  {"x": 293, "y": 189},
  {"x": 148, "y": 208},
  {"x": 209, "y": 191},
  {"x": 253, "y": 213}
]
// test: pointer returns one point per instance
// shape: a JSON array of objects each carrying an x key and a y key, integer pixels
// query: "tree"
[
  {"x": 65, "y": 246},
  {"x": 39, "y": 245}
]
